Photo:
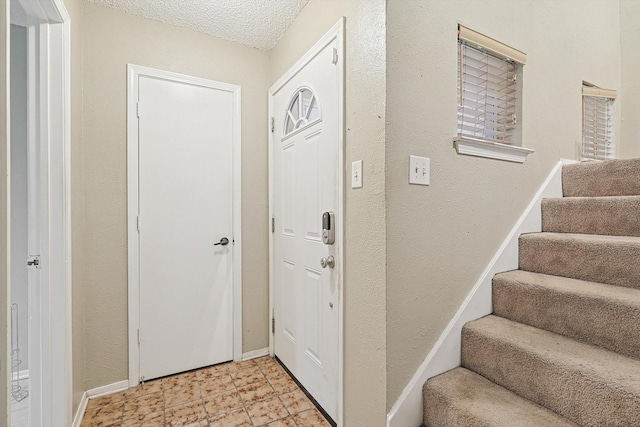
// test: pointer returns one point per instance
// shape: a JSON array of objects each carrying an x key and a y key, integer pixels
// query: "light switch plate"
[
  {"x": 419, "y": 170},
  {"x": 356, "y": 174}
]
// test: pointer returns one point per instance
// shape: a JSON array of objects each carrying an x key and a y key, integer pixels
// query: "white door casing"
[
  {"x": 306, "y": 179},
  {"x": 184, "y": 181},
  {"x": 49, "y": 206}
]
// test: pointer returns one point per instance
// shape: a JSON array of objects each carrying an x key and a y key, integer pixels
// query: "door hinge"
[
  {"x": 33, "y": 261},
  {"x": 273, "y": 224},
  {"x": 273, "y": 325},
  {"x": 138, "y": 109},
  {"x": 335, "y": 56},
  {"x": 273, "y": 124},
  {"x": 138, "y": 336},
  {"x": 138, "y": 222}
]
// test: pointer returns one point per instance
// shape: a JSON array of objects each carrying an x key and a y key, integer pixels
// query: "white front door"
[
  {"x": 185, "y": 134},
  {"x": 306, "y": 145}
]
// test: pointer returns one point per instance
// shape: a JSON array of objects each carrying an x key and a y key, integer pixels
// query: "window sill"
[{"x": 491, "y": 150}]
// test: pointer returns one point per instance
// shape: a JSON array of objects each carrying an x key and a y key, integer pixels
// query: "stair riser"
[
  {"x": 580, "y": 396},
  {"x": 615, "y": 264},
  {"x": 612, "y": 324},
  {"x": 593, "y": 179},
  {"x": 604, "y": 216}
]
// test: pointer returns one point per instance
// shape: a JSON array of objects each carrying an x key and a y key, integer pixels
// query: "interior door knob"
[
  {"x": 223, "y": 242},
  {"x": 327, "y": 262}
]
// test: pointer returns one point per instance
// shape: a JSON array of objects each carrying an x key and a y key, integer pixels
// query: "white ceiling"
[{"x": 255, "y": 23}]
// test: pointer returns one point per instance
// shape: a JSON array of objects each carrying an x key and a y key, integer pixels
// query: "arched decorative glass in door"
[{"x": 303, "y": 110}]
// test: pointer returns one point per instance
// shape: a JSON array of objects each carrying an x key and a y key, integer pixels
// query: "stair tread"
[
  {"x": 472, "y": 400},
  {"x": 607, "y": 178},
  {"x": 596, "y": 258},
  {"x": 604, "y": 315},
  {"x": 621, "y": 294},
  {"x": 573, "y": 355},
  {"x": 597, "y": 199},
  {"x": 584, "y": 238},
  {"x": 610, "y": 215}
]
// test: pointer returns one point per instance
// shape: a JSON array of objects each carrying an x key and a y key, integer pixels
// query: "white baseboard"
[
  {"x": 445, "y": 354},
  {"x": 77, "y": 419},
  {"x": 97, "y": 392},
  {"x": 255, "y": 354}
]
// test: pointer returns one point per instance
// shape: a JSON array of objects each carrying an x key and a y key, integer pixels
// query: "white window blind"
[
  {"x": 487, "y": 95},
  {"x": 598, "y": 139}
]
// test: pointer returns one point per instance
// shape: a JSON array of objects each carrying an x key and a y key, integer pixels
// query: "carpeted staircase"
[{"x": 562, "y": 347}]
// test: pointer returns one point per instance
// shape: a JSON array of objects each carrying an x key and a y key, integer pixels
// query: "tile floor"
[{"x": 254, "y": 393}]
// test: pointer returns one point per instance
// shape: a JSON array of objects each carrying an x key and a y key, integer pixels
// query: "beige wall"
[
  {"x": 4, "y": 208},
  {"x": 629, "y": 135},
  {"x": 110, "y": 40},
  {"x": 441, "y": 237},
  {"x": 364, "y": 285},
  {"x": 77, "y": 197}
]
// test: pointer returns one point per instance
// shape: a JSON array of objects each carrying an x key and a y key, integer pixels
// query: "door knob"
[
  {"x": 328, "y": 262},
  {"x": 223, "y": 242}
]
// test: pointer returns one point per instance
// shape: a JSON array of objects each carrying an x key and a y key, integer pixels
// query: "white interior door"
[
  {"x": 306, "y": 146},
  {"x": 185, "y": 137}
]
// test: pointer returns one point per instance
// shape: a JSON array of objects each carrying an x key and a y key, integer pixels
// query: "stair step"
[
  {"x": 595, "y": 313},
  {"x": 615, "y": 216},
  {"x": 586, "y": 384},
  {"x": 463, "y": 398},
  {"x": 608, "y": 178},
  {"x": 604, "y": 259}
]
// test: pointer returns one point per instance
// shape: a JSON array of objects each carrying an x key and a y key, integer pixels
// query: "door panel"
[
  {"x": 185, "y": 206},
  {"x": 306, "y": 143}
]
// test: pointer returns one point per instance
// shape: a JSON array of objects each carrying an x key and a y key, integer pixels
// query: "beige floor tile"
[
  {"x": 237, "y": 418},
  {"x": 104, "y": 416},
  {"x": 256, "y": 392},
  {"x": 264, "y": 359},
  {"x": 311, "y": 418},
  {"x": 212, "y": 371},
  {"x": 267, "y": 411},
  {"x": 110, "y": 399},
  {"x": 181, "y": 379},
  {"x": 233, "y": 367},
  {"x": 247, "y": 376},
  {"x": 272, "y": 369},
  {"x": 181, "y": 394},
  {"x": 283, "y": 384},
  {"x": 296, "y": 401},
  {"x": 285, "y": 422},
  {"x": 155, "y": 419},
  {"x": 216, "y": 385},
  {"x": 186, "y": 414},
  {"x": 145, "y": 404},
  {"x": 142, "y": 389},
  {"x": 222, "y": 402}
]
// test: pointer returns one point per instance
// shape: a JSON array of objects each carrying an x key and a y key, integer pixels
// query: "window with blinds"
[
  {"x": 598, "y": 138},
  {"x": 488, "y": 88}
]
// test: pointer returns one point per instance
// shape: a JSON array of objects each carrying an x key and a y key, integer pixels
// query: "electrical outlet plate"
[
  {"x": 419, "y": 170},
  {"x": 356, "y": 174}
]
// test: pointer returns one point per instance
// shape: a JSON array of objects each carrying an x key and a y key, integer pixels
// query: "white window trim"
[
  {"x": 491, "y": 150},
  {"x": 480, "y": 148}
]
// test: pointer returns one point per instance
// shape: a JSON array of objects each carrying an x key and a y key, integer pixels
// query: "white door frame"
[
  {"x": 134, "y": 72},
  {"x": 335, "y": 33},
  {"x": 49, "y": 134}
]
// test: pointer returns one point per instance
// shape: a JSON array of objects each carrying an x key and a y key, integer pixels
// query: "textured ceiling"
[{"x": 256, "y": 23}]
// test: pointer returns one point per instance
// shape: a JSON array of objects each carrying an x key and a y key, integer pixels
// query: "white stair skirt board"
[
  {"x": 255, "y": 354},
  {"x": 445, "y": 354},
  {"x": 94, "y": 393}
]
